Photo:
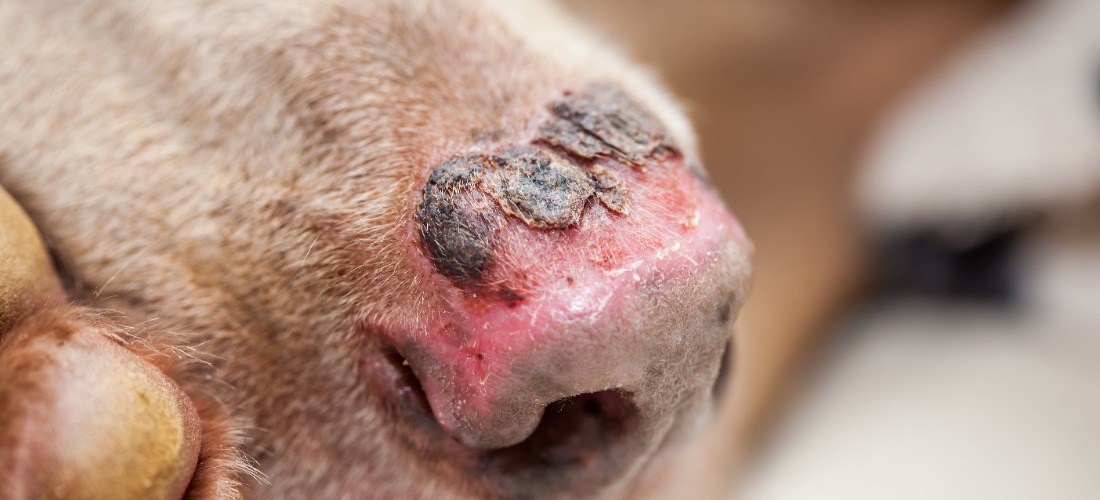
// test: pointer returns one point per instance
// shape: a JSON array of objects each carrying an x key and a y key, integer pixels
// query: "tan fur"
[{"x": 241, "y": 172}]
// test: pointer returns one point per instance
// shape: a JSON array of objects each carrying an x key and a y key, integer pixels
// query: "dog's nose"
[
  {"x": 589, "y": 281},
  {"x": 636, "y": 343}
]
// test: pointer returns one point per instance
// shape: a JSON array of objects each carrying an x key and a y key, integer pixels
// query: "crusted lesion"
[
  {"x": 542, "y": 189},
  {"x": 456, "y": 236},
  {"x": 603, "y": 121},
  {"x": 610, "y": 189},
  {"x": 565, "y": 134},
  {"x": 577, "y": 156}
]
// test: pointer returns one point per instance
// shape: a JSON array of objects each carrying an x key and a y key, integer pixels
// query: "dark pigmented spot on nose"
[{"x": 457, "y": 238}]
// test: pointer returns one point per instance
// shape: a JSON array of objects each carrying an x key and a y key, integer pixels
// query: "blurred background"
[{"x": 921, "y": 179}]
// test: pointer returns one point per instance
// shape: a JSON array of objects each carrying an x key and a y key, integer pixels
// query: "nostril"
[
  {"x": 593, "y": 408},
  {"x": 575, "y": 432},
  {"x": 404, "y": 383}
]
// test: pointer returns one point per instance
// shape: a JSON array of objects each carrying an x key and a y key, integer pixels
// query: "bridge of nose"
[{"x": 570, "y": 264}]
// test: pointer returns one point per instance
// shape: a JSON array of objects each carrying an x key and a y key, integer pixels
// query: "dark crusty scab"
[
  {"x": 610, "y": 189},
  {"x": 603, "y": 121},
  {"x": 548, "y": 184},
  {"x": 542, "y": 189},
  {"x": 454, "y": 233}
]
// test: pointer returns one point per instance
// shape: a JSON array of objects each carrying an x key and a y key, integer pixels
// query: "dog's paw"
[
  {"x": 83, "y": 417},
  {"x": 87, "y": 409}
]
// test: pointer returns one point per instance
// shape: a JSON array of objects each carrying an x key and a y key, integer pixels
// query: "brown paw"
[{"x": 82, "y": 417}]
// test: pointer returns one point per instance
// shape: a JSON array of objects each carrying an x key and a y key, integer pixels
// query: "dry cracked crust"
[{"x": 547, "y": 185}]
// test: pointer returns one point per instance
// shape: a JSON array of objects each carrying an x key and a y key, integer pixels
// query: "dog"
[{"x": 411, "y": 249}]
